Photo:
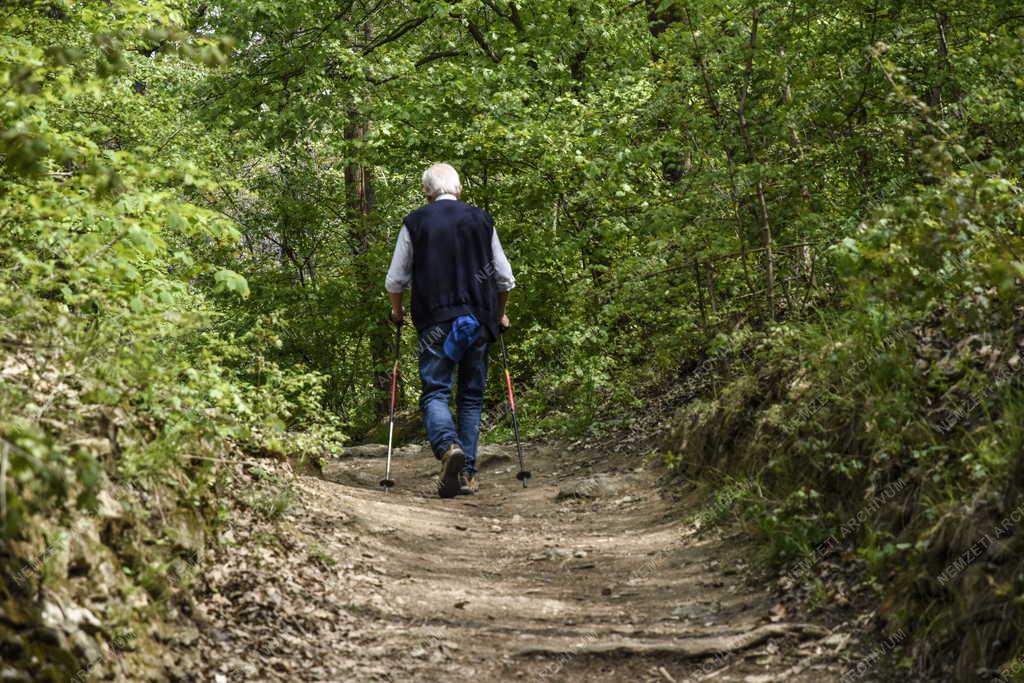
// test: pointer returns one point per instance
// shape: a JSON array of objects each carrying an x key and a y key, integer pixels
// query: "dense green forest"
[{"x": 809, "y": 213}]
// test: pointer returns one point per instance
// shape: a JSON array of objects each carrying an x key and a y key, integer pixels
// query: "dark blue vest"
[{"x": 453, "y": 265}]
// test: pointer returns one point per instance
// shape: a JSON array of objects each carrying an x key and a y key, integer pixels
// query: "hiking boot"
[
  {"x": 469, "y": 484},
  {"x": 452, "y": 463}
]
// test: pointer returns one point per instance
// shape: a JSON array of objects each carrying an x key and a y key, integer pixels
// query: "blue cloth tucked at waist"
[{"x": 465, "y": 331}]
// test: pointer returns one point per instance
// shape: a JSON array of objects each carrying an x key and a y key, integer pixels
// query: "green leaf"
[{"x": 230, "y": 281}]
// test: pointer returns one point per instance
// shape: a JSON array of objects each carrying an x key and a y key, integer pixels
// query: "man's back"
[{"x": 453, "y": 269}]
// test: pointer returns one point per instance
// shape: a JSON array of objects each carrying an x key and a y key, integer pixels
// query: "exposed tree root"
[{"x": 691, "y": 648}]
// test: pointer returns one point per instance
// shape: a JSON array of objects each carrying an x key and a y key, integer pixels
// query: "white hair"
[{"x": 441, "y": 179}]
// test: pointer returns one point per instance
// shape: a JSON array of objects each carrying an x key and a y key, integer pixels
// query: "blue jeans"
[{"x": 437, "y": 372}]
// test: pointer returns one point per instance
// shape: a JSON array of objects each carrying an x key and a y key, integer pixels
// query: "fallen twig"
[{"x": 692, "y": 648}]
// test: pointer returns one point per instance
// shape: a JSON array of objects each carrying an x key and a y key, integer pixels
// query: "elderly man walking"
[{"x": 450, "y": 254}]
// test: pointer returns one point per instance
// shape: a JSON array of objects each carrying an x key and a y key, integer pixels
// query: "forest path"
[{"x": 513, "y": 583}]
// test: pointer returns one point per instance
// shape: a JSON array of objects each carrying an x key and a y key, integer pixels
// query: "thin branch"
[
  {"x": 162, "y": 145},
  {"x": 497, "y": 10},
  {"x": 394, "y": 35},
  {"x": 479, "y": 37},
  {"x": 511, "y": 14},
  {"x": 734, "y": 255},
  {"x": 514, "y": 15},
  {"x": 434, "y": 56},
  {"x": 421, "y": 62}
]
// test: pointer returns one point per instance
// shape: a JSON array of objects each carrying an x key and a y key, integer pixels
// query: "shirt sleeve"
[
  {"x": 400, "y": 273},
  {"x": 502, "y": 268}
]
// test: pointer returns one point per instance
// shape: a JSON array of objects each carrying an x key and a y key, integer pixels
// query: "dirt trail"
[{"x": 509, "y": 584}]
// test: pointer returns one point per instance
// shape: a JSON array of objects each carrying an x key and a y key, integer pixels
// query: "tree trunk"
[
  {"x": 361, "y": 205},
  {"x": 711, "y": 102},
  {"x": 762, "y": 203},
  {"x": 944, "y": 79}
]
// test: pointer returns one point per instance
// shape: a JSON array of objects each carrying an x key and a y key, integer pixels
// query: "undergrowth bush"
[
  {"x": 890, "y": 429},
  {"x": 123, "y": 392}
]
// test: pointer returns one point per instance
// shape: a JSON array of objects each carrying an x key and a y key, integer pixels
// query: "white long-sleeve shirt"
[{"x": 400, "y": 273}]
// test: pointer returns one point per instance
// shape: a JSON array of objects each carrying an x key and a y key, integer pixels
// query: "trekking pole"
[
  {"x": 387, "y": 482},
  {"x": 524, "y": 474}
]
